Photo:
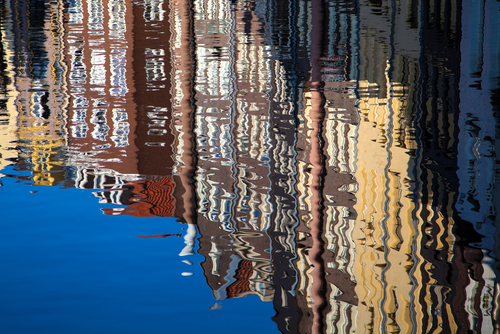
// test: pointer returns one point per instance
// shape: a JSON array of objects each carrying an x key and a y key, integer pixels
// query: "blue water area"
[{"x": 67, "y": 268}]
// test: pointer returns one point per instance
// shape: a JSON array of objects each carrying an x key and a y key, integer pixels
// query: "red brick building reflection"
[
  {"x": 150, "y": 198},
  {"x": 120, "y": 117}
]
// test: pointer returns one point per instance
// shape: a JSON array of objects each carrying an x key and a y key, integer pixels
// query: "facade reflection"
[
  {"x": 336, "y": 159},
  {"x": 37, "y": 91}
]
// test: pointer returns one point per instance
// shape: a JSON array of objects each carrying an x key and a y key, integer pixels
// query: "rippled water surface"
[{"x": 249, "y": 166}]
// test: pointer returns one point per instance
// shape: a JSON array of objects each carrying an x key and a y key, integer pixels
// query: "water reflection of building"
[
  {"x": 74, "y": 110},
  {"x": 8, "y": 115},
  {"x": 326, "y": 157},
  {"x": 414, "y": 251},
  {"x": 102, "y": 111},
  {"x": 122, "y": 136},
  {"x": 316, "y": 146},
  {"x": 439, "y": 179},
  {"x": 233, "y": 148},
  {"x": 384, "y": 231},
  {"x": 477, "y": 201},
  {"x": 257, "y": 143},
  {"x": 38, "y": 87}
]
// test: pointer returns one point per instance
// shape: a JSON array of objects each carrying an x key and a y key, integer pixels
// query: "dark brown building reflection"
[{"x": 270, "y": 165}]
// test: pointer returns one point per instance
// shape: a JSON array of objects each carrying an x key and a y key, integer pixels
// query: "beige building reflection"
[{"x": 410, "y": 270}]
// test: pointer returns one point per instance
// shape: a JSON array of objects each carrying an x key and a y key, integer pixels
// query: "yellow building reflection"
[
  {"x": 385, "y": 232},
  {"x": 41, "y": 100},
  {"x": 8, "y": 94},
  {"x": 398, "y": 222}
]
